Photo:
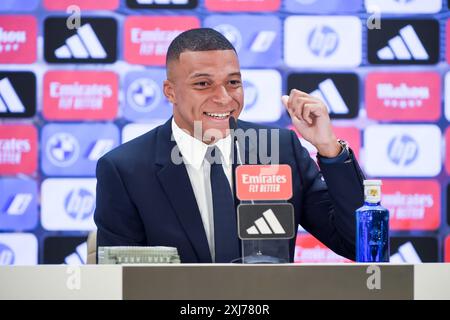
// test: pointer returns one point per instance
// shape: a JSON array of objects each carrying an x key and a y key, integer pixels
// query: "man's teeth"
[{"x": 218, "y": 115}]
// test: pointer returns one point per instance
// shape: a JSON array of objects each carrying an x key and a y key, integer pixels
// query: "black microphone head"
[{"x": 232, "y": 123}]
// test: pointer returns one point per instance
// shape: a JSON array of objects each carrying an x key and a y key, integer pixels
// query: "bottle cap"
[{"x": 373, "y": 182}]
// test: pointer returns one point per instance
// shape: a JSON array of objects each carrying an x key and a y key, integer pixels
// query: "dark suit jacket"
[{"x": 145, "y": 199}]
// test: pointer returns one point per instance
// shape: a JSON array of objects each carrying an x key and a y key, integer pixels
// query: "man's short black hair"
[{"x": 201, "y": 39}]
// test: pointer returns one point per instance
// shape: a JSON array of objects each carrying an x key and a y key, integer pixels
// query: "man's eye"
[
  {"x": 235, "y": 82},
  {"x": 201, "y": 84}
]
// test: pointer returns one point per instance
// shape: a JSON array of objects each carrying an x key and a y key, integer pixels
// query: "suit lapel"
[{"x": 176, "y": 184}]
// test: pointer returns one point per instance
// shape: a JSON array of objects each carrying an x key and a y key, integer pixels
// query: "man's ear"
[{"x": 169, "y": 91}]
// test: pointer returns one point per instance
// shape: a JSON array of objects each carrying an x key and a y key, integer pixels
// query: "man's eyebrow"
[{"x": 198, "y": 74}]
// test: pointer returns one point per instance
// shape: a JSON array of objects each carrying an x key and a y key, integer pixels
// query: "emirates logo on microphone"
[{"x": 264, "y": 182}]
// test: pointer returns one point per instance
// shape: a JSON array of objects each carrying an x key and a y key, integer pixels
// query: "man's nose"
[{"x": 221, "y": 95}]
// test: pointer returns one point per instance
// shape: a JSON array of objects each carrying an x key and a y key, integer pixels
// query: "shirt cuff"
[{"x": 340, "y": 158}]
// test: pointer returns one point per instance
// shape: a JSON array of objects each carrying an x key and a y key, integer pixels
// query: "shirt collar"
[{"x": 194, "y": 150}]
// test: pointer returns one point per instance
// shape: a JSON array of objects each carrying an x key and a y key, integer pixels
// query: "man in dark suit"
[{"x": 147, "y": 197}]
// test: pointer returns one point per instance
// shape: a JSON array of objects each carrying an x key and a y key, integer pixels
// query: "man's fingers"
[
  {"x": 295, "y": 104},
  {"x": 298, "y": 92},
  {"x": 310, "y": 112},
  {"x": 284, "y": 100},
  {"x": 292, "y": 106},
  {"x": 307, "y": 113}
]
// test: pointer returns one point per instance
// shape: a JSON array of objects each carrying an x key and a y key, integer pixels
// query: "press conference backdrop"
[{"x": 69, "y": 93}]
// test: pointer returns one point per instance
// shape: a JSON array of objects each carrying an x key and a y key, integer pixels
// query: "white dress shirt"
[{"x": 199, "y": 169}]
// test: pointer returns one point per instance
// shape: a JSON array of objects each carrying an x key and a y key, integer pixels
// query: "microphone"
[
  {"x": 232, "y": 125},
  {"x": 255, "y": 247},
  {"x": 235, "y": 142}
]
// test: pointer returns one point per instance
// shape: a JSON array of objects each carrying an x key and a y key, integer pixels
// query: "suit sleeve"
[
  {"x": 331, "y": 197},
  {"x": 117, "y": 219}
]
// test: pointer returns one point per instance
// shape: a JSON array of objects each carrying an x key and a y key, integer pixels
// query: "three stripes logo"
[
  {"x": 162, "y": 4},
  {"x": 404, "y": 42},
  {"x": 9, "y": 99},
  {"x": 266, "y": 221},
  {"x": 65, "y": 250},
  {"x": 413, "y": 250},
  {"x": 17, "y": 94},
  {"x": 328, "y": 92},
  {"x": 78, "y": 257},
  {"x": 268, "y": 224},
  {"x": 406, "y": 46},
  {"x": 339, "y": 92},
  {"x": 94, "y": 42},
  {"x": 405, "y": 254},
  {"x": 82, "y": 45}
]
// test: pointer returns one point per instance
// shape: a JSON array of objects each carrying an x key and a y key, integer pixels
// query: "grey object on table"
[{"x": 137, "y": 255}]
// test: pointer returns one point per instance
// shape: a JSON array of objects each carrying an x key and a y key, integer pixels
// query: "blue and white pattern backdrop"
[{"x": 80, "y": 77}]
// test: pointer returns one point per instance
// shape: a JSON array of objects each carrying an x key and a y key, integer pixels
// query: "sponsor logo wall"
[{"x": 69, "y": 94}]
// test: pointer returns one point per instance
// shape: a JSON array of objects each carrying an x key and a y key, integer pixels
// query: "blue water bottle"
[{"x": 372, "y": 226}]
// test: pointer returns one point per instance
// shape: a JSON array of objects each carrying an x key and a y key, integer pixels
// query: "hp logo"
[
  {"x": 143, "y": 95},
  {"x": 250, "y": 94},
  {"x": 6, "y": 255},
  {"x": 323, "y": 41},
  {"x": 403, "y": 150},
  {"x": 80, "y": 204}
]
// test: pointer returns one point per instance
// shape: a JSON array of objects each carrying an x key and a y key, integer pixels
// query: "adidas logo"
[
  {"x": 268, "y": 224},
  {"x": 79, "y": 257},
  {"x": 82, "y": 45},
  {"x": 161, "y": 2},
  {"x": 328, "y": 93},
  {"x": 405, "y": 46},
  {"x": 9, "y": 100},
  {"x": 406, "y": 254},
  {"x": 19, "y": 204}
]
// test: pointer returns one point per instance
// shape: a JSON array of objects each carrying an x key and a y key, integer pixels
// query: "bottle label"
[{"x": 372, "y": 194}]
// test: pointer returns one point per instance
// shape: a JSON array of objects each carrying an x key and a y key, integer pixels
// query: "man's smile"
[{"x": 219, "y": 115}]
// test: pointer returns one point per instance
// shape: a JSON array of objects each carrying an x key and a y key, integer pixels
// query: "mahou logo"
[
  {"x": 412, "y": 204},
  {"x": 310, "y": 250},
  {"x": 18, "y": 149},
  {"x": 147, "y": 38},
  {"x": 80, "y": 95},
  {"x": 403, "y": 96},
  {"x": 18, "y": 36}
]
